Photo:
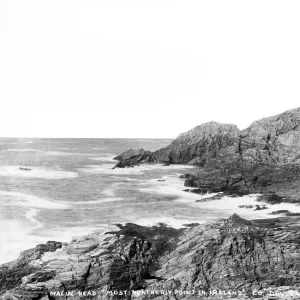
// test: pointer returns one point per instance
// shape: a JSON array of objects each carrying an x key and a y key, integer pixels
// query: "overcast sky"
[{"x": 144, "y": 69}]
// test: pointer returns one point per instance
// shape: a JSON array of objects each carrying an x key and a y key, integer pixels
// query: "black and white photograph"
[{"x": 149, "y": 150}]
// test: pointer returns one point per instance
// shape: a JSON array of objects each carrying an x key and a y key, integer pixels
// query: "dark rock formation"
[
  {"x": 133, "y": 157},
  {"x": 264, "y": 158},
  {"x": 284, "y": 212},
  {"x": 230, "y": 255},
  {"x": 274, "y": 140},
  {"x": 24, "y": 169},
  {"x": 199, "y": 145},
  {"x": 256, "y": 207},
  {"x": 121, "y": 260}
]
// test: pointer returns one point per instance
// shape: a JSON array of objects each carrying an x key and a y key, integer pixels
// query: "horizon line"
[{"x": 95, "y": 138}]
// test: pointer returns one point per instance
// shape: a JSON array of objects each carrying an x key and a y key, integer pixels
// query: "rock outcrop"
[
  {"x": 200, "y": 145},
  {"x": 133, "y": 157},
  {"x": 264, "y": 158},
  {"x": 274, "y": 140},
  {"x": 136, "y": 262}
]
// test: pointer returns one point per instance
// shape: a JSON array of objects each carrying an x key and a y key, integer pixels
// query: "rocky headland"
[
  {"x": 227, "y": 258},
  {"x": 263, "y": 158}
]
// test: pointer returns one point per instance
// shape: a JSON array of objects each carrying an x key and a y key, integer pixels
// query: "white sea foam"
[
  {"x": 126, "y": 179},
  {"x": 31, "y": 214},
  {"x": 19, "y": 235},
  {"x": 31, "y": 201},
  {"x": 170, "y": 185},
  {"x": 137, "y": 170},
  {"x": 105, "y": 158},
  {"x": 19, "y": 238},
  {"x": 145, "y": 140},
  {"x": 212, "y": 209},
  {"x": 16, "y": 238},
  {"x": 44, "y": 152},
  {"x": 21, "y": 150},
  {"x": 58, "y": 153},
  {"x": 109, "y": 192},
  {"x": 99, "y": 201},
  {"x": 35, "y": 172},
  {"x": 65, "y": 235},
  {"x": 170, "y": 221}
]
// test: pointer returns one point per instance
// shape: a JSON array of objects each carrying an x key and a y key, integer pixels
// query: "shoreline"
[
  {"x": 172, "y": 185},
  {"x": 129, "y": 255}
]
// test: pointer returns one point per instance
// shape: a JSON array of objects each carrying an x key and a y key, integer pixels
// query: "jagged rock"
[
  {"x": 264, "y": 158},
  {"x": 258, "y": 207},
  {"x": 24, "y": 169},
  {"x": 119, "y": 260},
  {"x": 130, "y": 153},
  {"x": 246, "y": 206},
  {"x": 133, "y": 157},
  {"x": 274, "y": 140},
  {"x": 278, "y": 212},
  {"x": 200, "y": 144},
  {"x": 11, "y": 274},
  {"x": 230, "y": 254}
]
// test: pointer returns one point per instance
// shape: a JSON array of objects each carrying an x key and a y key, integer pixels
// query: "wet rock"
[
  {"x": 246, "y": 206},
  {"x": 133, "y": 157},
  {"x": 227, "y": 254},
  {"x": 278, "y": 212},
  {"x": 271, "y": 198},
  {"x": 196, "y": 191},
  {"x": 260, "y": 207},
  {"x": 25, "y": 169}
]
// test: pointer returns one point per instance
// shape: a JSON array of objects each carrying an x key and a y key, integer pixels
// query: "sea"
[{"x": 59, "y": 189}]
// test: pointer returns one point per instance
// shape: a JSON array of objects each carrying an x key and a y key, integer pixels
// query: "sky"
[{"x": 144, "y": 68}]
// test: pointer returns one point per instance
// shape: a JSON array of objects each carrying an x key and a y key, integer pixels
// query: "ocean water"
[{"x": 72, "y": 190}]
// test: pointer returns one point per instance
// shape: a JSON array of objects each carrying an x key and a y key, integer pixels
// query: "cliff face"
[
  {"x": 271, "y": 140},
  {"x": 102, "y": 262},
  {"x": 200, "y": 145},
  {"x": 263, "y": 158},
  {"x": 274, "y": 140},
  {"x": 230, "y": 255}
]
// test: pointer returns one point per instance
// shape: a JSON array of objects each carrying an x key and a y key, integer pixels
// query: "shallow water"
[{"x": 72, "y": 190}]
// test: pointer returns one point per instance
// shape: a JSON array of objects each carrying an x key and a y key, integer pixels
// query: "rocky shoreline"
[
  {"x": 227, "y": 258},
  {"x": 134, "y": 262},
  {"x": 261, "y": 159}
]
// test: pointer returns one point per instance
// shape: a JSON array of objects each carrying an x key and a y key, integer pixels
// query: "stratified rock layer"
[{"x": 139, "y": 262}]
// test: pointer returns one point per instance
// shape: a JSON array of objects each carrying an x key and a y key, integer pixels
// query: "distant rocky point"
[{"x": 263, "y": 158}]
